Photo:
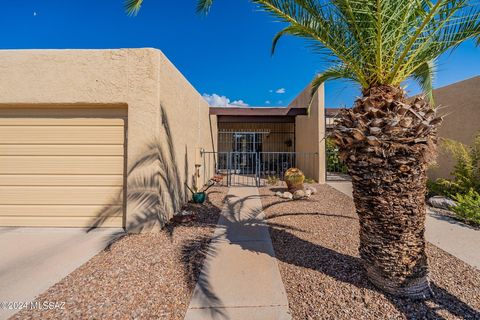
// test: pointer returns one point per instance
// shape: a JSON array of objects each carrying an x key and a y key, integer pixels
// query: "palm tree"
[{"x": 386, "y": 140}]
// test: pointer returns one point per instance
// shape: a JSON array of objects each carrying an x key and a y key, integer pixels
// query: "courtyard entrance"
[{"x": 256, "y": 168}]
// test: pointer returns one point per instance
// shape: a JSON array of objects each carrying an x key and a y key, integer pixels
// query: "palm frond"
[
  {"x": 203, "y": 6},
  {"x": 424, "y": 75},
  {"x": 132, "y": 6},
  {"x": 339, "y": 71},
  {"x": 381, "y": 42}
]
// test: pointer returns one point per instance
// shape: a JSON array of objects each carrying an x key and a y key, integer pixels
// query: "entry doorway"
[{"x": 246, "y": 146}]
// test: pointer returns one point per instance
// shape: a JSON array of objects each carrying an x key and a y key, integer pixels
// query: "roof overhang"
[{"x": 259, "y": 114}]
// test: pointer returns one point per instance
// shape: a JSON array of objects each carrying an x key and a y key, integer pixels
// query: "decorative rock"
[
  {"x": 183, "y": 216},
  {"x": 308, "y": 193},
  {"x": 312, "y": 189},
  {"x": 299, "y": 194},
  {"x": 287, "y": 195},
  {"x": 442, "y": 202},
  {"x": 279, "y": 194}
]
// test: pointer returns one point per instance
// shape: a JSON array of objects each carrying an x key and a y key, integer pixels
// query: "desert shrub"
[
  {"x": 468, "y": 206},
  {"x": 273, "y": 180},
  {"x": 309, "y": 180},
  {"x": 466, "y": 172},
  {"x": 434, "y": 188},
  {"x": 334, "y": 163}
]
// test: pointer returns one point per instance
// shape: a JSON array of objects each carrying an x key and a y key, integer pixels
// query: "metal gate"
[{"x": 254, "y": 168}]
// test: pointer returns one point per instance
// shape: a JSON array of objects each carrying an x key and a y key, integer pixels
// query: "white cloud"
[
  {"x": 281, "y": 90},
  {"x": 239, "y": 103},
  {"x": 216, "y": 100},
  {"x": 267, "y": 102},
  {"x": 270, "y": 91}
]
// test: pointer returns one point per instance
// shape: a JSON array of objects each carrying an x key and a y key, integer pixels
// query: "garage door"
[{"x": 61, "y": 167}]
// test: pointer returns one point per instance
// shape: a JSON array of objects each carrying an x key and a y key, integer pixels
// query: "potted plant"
[{"x": 199, "y": 196}]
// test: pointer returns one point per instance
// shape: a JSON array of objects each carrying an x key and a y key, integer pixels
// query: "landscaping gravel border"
[
  {"x": 141, "y": 276},
  {"x": 316, "y": 244}
]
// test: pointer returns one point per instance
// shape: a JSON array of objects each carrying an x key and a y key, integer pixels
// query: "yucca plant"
[{"x": 385, "y": 140}]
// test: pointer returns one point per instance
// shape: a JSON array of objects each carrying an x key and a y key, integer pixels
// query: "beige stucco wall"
[
  {"x": 460, "y": 102},
  {"x": 156, "y": 95},
  {"x": 310, "y": 131}
]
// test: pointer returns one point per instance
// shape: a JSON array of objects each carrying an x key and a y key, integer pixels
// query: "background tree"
[{"x": 386, "y": 140}]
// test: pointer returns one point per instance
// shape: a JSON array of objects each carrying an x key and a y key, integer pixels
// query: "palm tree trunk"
[{"x": 387, "y": 144}]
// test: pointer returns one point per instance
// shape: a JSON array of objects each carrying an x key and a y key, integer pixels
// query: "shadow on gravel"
[
  {"x": 348, "y": 269},
  {"x": 194, "y": 254},
  {"x": 291, "y": 249}
]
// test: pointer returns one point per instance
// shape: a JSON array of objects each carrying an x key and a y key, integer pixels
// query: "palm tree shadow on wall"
[
  {"x": 157, "y": 190},
  {"x": 155, "y": 187}
]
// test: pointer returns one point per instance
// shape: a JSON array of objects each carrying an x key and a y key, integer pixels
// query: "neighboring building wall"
[
  {"x": 460, "y": 102},
  {"x": 168, "y": 121},
  {"x": 310, "y": 130}
]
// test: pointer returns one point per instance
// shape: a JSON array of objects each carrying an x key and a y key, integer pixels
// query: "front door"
[{"x": 244, "y": 152}]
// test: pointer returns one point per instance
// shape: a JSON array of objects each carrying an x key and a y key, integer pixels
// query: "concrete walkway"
[
  {"x": 240, "y": 277},
  {"x": 456, "y": 238},
  {"x": 446, "y": 233}
]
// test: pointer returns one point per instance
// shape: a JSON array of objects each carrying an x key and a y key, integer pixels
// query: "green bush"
[
  {"x": 468, "y": 206},
  {"x": 435, "y": 188},
  {"x": 309, "y": 180},
  {"x": 334, "y": 163},
  {"x": 273, "y": 180},
  {"x": 466, "y": 172}
]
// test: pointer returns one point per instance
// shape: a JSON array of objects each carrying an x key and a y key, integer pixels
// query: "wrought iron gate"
[{"x": 254, "y": 168}]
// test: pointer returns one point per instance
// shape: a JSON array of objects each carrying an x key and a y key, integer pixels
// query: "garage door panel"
[
  {"x": 60, "y": 150},
  {"x": 60, "y": 195},
  {"x": 61, "y": 135},
  {"x": 85, "y": 222},
  {"x": 61, "y": 122},
  {"x": 65, "y": 112},
  {"x": 62, "y": 167},
  {"x": 61, "y": 180},
  {"x": 61, "y": 164},
  {"x": 61, "y": 210}
]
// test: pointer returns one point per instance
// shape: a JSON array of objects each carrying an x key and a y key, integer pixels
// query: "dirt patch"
[
  {"x": 144, "y": 276},
  {"x": 316, "y": 244}
]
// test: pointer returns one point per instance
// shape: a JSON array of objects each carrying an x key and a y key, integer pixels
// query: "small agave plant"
[{"x": 294, "y": 178}]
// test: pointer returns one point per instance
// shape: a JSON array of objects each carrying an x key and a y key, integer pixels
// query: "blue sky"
[{"x": 225, "y": 53}]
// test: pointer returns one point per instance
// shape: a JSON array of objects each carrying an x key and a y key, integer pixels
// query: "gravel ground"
[
  {"x": 317, "y": 252},
  {"x": 144, "y": 276}
]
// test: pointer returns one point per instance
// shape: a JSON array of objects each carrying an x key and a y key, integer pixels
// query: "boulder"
[
  {"x": 312, "y": 189},
  {"x": 279, "y": 194},
  {"x": 441, "y": 202},
  {"x": 299, "y": 194},
  {"x": 287, "y": 195},
  {"x": 308, "y": 193}
]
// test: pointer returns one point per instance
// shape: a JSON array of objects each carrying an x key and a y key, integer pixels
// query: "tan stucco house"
[
  {"x": 460, "y": 104},
  {"x": 111, "y": 137}
]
